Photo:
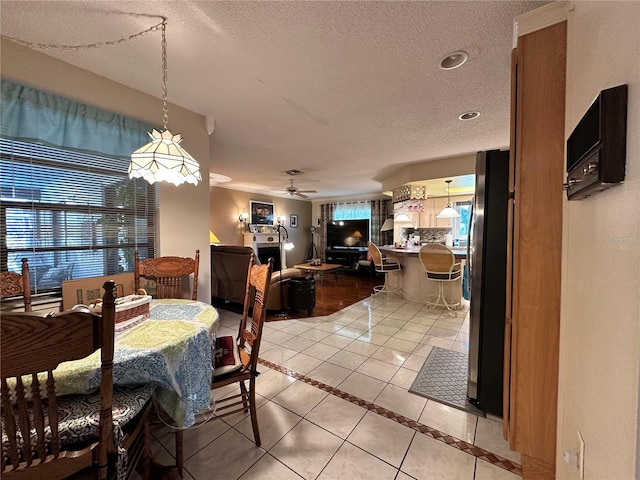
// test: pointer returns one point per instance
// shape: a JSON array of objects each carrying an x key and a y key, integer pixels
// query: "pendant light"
[
  {"x": 163, "y": 159},
  {"x": 448, "y": 212}
]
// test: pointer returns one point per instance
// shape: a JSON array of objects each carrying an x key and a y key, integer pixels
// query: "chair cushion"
[
  {"x": 443, "y": 276},
  {"x": 388, "y": 265},
  {"x": 226, "y": 356},
  {"x": 80, "y": 415}
]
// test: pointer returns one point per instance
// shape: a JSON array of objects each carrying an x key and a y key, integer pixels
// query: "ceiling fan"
[{"x": 293, "y": 190}]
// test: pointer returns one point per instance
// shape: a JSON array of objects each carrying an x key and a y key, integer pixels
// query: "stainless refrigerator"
[{"x": 487, "y": 256}]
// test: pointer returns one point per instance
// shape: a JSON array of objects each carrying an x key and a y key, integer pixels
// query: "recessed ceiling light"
[
  {"x": 454, "y": 60},
  {"x": 469, "y": 115}
]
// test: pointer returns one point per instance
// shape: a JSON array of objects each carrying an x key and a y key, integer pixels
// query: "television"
[{"x": 348, "y": 233}]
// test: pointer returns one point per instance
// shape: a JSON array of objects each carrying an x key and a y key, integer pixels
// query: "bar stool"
[
  {"x": 440, "y": 266},
  {"x": 384, "y": 265}
]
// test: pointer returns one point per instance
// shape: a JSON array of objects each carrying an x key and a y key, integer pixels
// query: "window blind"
[{"x": 72, "y": 214}]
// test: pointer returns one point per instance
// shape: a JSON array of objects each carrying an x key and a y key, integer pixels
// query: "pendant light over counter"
[{"x": 448, "y": 212}]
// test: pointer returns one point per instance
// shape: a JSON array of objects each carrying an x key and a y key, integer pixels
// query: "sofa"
[
  {"x": 275, "y": 292},
  {"x": 229, "y": 268}
]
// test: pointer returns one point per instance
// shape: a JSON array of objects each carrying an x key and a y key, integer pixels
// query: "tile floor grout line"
[{"x": 450, "y": 440}]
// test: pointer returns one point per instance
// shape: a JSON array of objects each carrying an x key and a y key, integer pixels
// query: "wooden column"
[{"x": 535, "y": 248}]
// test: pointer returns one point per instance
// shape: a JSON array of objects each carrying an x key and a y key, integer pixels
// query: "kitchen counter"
[
  {"x": 459, "y": 252},
  {"x": 412, "y": 279}
]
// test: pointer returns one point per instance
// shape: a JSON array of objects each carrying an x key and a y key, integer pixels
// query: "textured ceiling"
[{"x": 339, "y": 90}]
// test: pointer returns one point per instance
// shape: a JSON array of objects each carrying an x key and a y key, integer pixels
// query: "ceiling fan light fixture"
[
  {"x": 454, "y": 60},
  {"x": 293, "y": 190},
  {"x": 294, "y": 172}
]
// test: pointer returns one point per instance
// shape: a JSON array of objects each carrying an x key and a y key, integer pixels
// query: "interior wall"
[
  {"x": 183, "y": 211},
  {"x": 600, "y": 331},
  {"x": 427, "y": 170},
  {"x": 227, "y": 205}
]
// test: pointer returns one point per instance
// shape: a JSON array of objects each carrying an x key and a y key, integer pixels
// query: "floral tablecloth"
[{"x": 171, "y": 349}]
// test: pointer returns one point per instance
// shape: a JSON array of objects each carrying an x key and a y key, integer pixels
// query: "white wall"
[
  {"x": 183, "y": 215},
  {"x": 600, "y": 324}
]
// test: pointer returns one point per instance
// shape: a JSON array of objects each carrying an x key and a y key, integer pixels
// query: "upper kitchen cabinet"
[{"x": 536, "y": 176}]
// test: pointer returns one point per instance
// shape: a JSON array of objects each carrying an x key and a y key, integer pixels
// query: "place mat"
[{"x": 443, "y": 378}]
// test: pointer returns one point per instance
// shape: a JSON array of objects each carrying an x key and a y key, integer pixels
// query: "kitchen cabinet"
[
  {"x": 433, "y": 206},
  {"x": 534, "y": 248},
  {"x": 438, "y": 204}
]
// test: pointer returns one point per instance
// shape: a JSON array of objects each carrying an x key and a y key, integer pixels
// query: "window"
[
  {"x": 358, "y": 210},
  {"x": 72, "y": 214},
  {"x": 461, "y": 223},
  {"x": 352, "y": 210}
]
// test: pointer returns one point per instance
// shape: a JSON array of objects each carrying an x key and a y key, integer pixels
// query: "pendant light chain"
[
  {"x": 88, "y": 46},
  {"x": 165, "y": 116},
  {"x": 163, "y": 159}
]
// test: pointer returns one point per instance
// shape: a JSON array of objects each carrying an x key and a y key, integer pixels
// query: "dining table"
[{"x": 169, "y": 347}]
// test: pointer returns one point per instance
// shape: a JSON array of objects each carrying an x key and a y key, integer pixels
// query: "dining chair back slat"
[
  {"x": 13, "y": 284},
  {"x": 168, "y": 273},
  {"x": 33, "y": 346}
]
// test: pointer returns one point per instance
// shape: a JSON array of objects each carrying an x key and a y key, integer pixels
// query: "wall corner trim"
[{"x": 540, "y": 18}]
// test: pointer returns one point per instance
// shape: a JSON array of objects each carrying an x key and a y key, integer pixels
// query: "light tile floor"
[{"x": 371, "y": 352}]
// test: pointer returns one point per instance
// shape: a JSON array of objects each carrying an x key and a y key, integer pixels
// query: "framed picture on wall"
[
  {"x": 261, "y": 212},
  {"x": 293, "y": 221}
]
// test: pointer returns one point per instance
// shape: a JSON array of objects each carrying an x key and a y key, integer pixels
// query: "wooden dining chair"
[
  {"x": 440, "y": 265},
  {"x": 168, "y": 273},
  {"x": 13, "y": 284},
  {"x": 236, "y": 358},
  {"x": 77, "y": 436}
]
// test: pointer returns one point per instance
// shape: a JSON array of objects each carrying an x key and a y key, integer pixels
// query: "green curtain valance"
[{"x": 31, "y": 115}]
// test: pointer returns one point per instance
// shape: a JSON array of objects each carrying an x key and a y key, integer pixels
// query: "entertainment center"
[
  {"x": 347, "y": 241},
  {"x": 345, "y": 256}
]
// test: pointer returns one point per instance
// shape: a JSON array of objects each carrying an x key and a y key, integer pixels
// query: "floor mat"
[{"x": 443, "y": 378}]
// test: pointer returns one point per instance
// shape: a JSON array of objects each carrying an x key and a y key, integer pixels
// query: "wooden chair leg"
[
  {"x": 179, "y": 452},
  {"x": 145, "y": 472},
  {"x": 252, "y": 408}
]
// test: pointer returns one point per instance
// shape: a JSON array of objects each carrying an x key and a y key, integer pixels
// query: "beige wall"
[
  {"x": 183, "y": 213},
  {"x": 427, "y": 170},
  {"x": 228, "y": 204},
  {"x": 600, "y": 331}
]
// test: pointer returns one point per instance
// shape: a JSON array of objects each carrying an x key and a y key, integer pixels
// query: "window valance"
[{"x": 31, "y": 115}]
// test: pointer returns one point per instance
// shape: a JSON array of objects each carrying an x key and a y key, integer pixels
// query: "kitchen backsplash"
[{"x": 427, "y": 235}]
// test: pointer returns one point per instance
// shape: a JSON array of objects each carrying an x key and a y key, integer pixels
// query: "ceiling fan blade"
[
  {"x": 301, "y": 195},
  {"x": 307, "y": 191}
]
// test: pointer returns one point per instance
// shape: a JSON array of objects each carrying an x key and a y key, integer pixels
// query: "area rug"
[{"x": 443, "y": 378}]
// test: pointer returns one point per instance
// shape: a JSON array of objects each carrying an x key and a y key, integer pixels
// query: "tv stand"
[{"x": 345, "y": 256}]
